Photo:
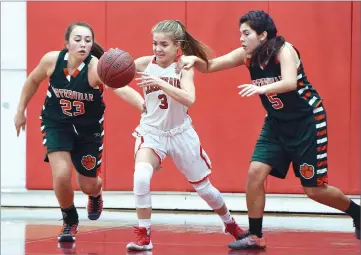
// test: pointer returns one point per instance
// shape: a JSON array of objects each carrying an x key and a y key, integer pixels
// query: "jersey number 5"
[
  {"x": 275, "y": 101},
  {"x": 163, "y": 101},
  {"x": 66, "y": 106}
]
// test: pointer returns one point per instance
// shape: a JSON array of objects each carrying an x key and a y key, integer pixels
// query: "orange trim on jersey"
[
  {"x": 307, "y": 95},
  {"x": 321, "y": 181},
  {"x": 300, "y": 83},
  {"x": 197, "y": 182},
  {"x": 322, "y": 163},
  {"x": 322, "y": 148},
  {"x": 99, "y": 171},
  {"x": 321, "y": 133},
  {"x": 66, "y": 72},
  {"x": 318, "y": 104},
  {"x": 101, "y": 88},
  {"x": 75, "y": 73},
  {"x": 320, "y": 117}
]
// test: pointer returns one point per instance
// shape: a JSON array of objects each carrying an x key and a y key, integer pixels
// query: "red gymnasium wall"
[{"x": 326, "y": 33}]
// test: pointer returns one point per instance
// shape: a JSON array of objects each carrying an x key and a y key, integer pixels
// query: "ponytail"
[
  {"x": 264, "y": 52},
  {"x": 97, "y": 50}
]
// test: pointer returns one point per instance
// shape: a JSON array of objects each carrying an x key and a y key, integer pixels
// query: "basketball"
[{"x": 116, "y": 68}]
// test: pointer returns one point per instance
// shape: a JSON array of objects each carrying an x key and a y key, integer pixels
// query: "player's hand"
[
  {"x": 185, "y": 62},
  {"x": 20, "y": 122},
  {"x": 147, "y": 79},
  {"x": 250, "y": 89},
  {"x": 144, "y": 108}
]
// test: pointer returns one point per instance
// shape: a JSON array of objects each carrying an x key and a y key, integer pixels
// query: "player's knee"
[
  {"x": 209, "y": 194},
  {"x": 142, "y": 176},
  {"x": 256, "y": 175},
  {"x": 61, "y": 177}
]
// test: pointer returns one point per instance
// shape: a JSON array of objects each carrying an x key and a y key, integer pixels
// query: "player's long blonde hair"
[{"x": 188, "y": 44}]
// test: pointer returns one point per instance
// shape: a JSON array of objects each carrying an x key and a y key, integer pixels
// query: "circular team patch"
[
  {"x": 307, "y": 171},
  {"x": 88, "y": 162}
]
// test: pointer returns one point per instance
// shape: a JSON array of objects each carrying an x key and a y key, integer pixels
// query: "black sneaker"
[
  {"x": 67, "y": 248},
  {"x": 68, "y": 232},
  {"x": 356, "y": 224},
  {"x": 249, "y": 241},
  {"x": 95, "y": 207}
]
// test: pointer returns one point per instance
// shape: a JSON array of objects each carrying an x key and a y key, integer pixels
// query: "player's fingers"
[
  {"x": 242, "y": 86},
  {"x": 251, "y": 93},
  {"x": 143, "y": 73},
  {"x": 248, "y": 92},
  {"x": 243, "y": 91},
  {"x": 17, "y": 130}
]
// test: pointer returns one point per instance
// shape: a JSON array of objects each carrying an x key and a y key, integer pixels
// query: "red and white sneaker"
[
  {"x": 234, "y": 230},
  {"x": 143, "y": 242}
]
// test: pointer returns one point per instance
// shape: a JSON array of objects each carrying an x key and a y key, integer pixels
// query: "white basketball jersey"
[{"x": 163, "y": 112}]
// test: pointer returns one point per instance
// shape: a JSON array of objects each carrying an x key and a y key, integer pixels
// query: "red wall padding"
[{"x": 228, "y": 126}]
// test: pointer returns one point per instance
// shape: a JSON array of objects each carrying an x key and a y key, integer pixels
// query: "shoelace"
[
  {"x": 141, "y": 233},
  {"x": 68, "y": 228},
  {"x": 95, "y": 204}
]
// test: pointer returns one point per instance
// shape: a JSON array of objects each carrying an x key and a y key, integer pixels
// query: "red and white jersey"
[{"x": 163, "y": 112}]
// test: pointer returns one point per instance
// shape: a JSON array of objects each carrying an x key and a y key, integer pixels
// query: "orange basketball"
[{"x": 116, "y": 68}]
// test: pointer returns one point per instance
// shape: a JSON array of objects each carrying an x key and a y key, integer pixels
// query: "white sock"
[
  {"x": 144, "y": 223},
  {"x": 227, "y": 218}
]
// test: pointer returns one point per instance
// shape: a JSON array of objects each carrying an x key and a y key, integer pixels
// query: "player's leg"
[
  {"x": 190, "y": 158},
  {"x": 311, "y": 166},
  {"x": 59, "y": 141},
  {"x": 268, "y": 158},
  {"x": 149, "y": 153},
  {"x": 87, "y": 159}
]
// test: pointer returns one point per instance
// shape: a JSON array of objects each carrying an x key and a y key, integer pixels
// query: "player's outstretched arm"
[
  {"x": 233, "y": 59},
  {"x": 32, "y": 82},
  {"x": 130, "y": 96}
]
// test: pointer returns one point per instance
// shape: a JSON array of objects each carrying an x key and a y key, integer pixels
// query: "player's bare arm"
[
  {"x": 44, "y": 69},
  {"x": 288, "y": 60},
  {"x": 233, "y": 59},
  {"x": 142, "y": 63},
  {"x": 184, "y": 95}
]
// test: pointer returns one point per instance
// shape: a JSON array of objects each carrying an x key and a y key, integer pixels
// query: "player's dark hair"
[
  {"x": 260, "y": 22},
  {"x": 189, "y": 45},
  {"x": 96, "y": 50}
]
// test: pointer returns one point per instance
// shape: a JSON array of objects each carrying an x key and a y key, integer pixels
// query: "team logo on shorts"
[
  {"x": 88, "y": 162},
  {"x": 307, "y": 171}
]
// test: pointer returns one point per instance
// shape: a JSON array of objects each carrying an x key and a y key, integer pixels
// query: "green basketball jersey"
[
  {"x": 290, "y": 105},
  {"x": 70, "y": 98}
]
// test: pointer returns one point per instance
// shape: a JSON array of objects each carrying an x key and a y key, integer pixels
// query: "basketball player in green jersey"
[
  {"x": 295, "y": 128},
  {"x": 72, "y": 120}
]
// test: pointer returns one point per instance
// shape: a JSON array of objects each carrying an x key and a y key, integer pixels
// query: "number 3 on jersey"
[
  {"x": 66, "y": 106},
  {"x": 275, "y": 101},
  {"x": 163, "y": 101}
]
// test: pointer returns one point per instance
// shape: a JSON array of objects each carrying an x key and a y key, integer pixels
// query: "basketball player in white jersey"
[{"x": 166, "y": 128}]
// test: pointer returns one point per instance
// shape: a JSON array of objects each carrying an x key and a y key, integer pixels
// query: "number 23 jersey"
[{"x": 70, "y": 98}]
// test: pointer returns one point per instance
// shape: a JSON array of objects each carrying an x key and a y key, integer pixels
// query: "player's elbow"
[
  {"x": 291, "y": 84},
  {"x": 191, "y": 101}
]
